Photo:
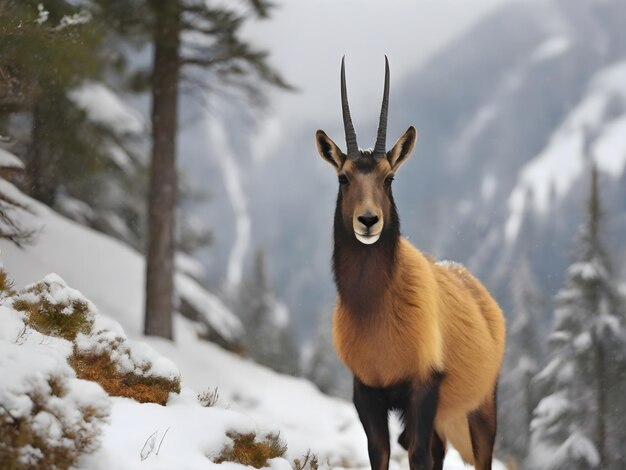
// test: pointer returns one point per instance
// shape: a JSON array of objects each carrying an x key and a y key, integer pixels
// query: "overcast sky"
[{"x": 308, "y": 37}]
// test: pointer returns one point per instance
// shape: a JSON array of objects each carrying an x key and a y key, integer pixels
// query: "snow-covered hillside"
[
  {"x": 595, "y": 129},
  {"x": 182, "y": 434}
]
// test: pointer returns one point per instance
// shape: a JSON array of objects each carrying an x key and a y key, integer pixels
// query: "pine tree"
[
  {"x": 575, "y": 424},
  {"x": 269, "y": 340},
  {"x": 83, "y": 166},
  {"x": 198, "y": 43},
  {"x": 46, "y": 52},
  {"x": 522, "y": 360},
  {"x": 321, "y": 365}
]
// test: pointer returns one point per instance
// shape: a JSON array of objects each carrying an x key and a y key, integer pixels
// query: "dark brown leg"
[
  {"x": 420, "y": 417},
  {"x": 482, "y": 425},
  {"x": 372, "y": 407},
  {"x": 438, "y": 451}
]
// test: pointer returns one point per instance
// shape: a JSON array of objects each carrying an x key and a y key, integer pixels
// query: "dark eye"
[
  {"x": 388, "y": 181},
  {"x": 343, "y": 179}
]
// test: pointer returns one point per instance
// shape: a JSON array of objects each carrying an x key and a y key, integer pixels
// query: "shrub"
[
  {"x": 54, "y": 309},
  {"x": 47, "y": 418},
  {"x": 246, "y": 450},
  {"x": 121, "y": 370}
]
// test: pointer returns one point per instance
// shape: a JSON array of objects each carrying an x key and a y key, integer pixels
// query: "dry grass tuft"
[
  {"x": 209, "y": 398},
  {"x": 308, "y": 461},
  {"x": 101, "y": 369},
  {"x": 246, "y": 450},
  {"x": 6, "y": 284}
]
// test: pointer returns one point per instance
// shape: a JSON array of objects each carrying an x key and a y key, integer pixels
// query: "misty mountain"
[{"x": 508, "y": 117}]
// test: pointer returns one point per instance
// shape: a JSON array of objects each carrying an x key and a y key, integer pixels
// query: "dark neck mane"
[{"x": 363, "y": 272}]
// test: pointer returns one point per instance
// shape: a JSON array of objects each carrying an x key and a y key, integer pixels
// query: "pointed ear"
[
  {"x": 402, "y": 149},
  {"x": 328, "y": 150}
]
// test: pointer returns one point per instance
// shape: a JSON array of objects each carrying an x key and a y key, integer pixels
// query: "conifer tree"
[
  {"x": 575, "y": 424},
  {"x": 522, "y": 359},
  {"x": 83, "y": 165},
  {"x": 322, "y": 363},
  {"x": 269, "y": 339},
  {"x": 47, "y": 50},
  {"x": 197, "y": 43}
]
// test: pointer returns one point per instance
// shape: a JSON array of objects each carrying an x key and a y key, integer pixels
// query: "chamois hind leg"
[
  {"x": 438, "y": 451},
  {"x": 482, "y": 425},
  {"x": 420, "y": 417},
  {"x": 437, "y": 448},
  {"x": 372, "y": 407}
]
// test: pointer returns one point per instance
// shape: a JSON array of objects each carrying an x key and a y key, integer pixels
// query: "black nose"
[{"x": 368, "y": 220}]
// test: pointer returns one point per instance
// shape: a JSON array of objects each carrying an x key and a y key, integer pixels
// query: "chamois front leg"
[
  {"x": 420, "y": 417},
  {"x": 372, "y": 407}
]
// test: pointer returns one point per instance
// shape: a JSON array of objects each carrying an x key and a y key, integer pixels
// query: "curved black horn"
[
  {"x": 352, "y": 146},
  {"x": 380, "y": 147}
]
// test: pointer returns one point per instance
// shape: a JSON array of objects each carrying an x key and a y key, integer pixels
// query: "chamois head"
[{"x": 365, "y": 176}]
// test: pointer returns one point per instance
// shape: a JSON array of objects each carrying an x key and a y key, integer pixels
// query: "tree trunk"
[
  {"x": 39, "y": 167},
  {"x": 162, "y": 198}
]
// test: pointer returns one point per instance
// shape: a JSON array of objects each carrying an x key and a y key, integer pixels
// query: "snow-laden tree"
[
  {"x": 522, "y": 361},
  {"x": 80, "y": 142},
  {"x": 12, "y": 206},
  {"x": 579, "y": 422},
  {"x": 268, "y": 337},
  {"x": 320, "y": 365}
]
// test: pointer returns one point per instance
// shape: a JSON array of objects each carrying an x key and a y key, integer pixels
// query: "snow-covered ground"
[{"x": 182, "y": 434}]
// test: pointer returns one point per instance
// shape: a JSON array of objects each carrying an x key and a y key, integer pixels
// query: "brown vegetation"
[
  {"x": 101, "y": 369},
  {"x": 6, "y": 284},
  {"x": 63, "y": 320},
  {"x": 68, "y": 319},
  {"x": 246, "y": 450},
  {"x": 22, "y": 447}
]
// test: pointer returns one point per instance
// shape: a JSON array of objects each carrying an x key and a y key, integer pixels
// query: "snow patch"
[
  {"x": 8, "y": 160},
  {"x": 73, "y": 208},
  {"x": 488, "y": 187},
  {"x": 609, "y": 149},
  {"x": 210, "y": 307},
  {"x": 451, "y": 265},
  {"x": 189, "y": 266},
  {"x": 550, "y": 48},
  {"x": 103, "y": 106},
  {"x": 587, "y": 270}
]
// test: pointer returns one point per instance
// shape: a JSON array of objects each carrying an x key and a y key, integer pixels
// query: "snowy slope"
[
  {"x": 107, "y": 271},
  {"x": 251, "y": 397},
  {"x": 595, "y": 129}
]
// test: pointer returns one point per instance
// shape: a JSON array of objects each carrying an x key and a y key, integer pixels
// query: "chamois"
[{"x": 420, "y": 336}]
